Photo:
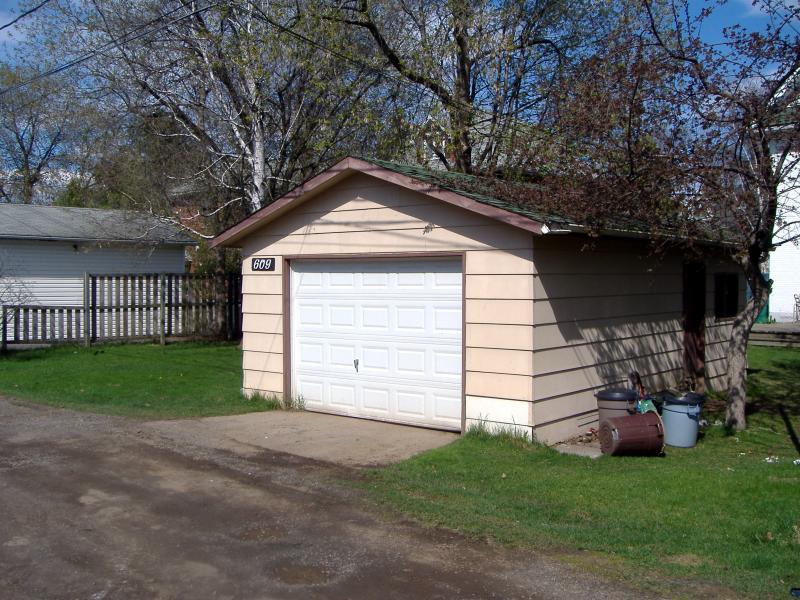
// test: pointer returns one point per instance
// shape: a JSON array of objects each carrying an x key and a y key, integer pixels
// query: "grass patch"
[
  {"x": 140, "y": 380},
  {"x": 715, "y": 520}
]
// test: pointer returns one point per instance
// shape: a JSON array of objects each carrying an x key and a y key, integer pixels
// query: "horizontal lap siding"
[
  {"x": 598, "y": 314},
  {"x": 364, "y": 216},
  {"x": 718, "y": 331},
  {"x": 51, "y": 273}
]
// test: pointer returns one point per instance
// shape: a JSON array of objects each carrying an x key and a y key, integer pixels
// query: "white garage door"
[{"x": 379, "y": 339}]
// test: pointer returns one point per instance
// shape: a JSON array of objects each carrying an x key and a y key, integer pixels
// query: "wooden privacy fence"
[{"x": 133, "y": 306}]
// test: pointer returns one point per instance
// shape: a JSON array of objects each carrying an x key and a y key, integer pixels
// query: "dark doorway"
[{"x": 694, "y": 312}]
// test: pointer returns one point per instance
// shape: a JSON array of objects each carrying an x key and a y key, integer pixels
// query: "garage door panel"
[
  {"x": 311, "y": 392},
  {"x": 342, "y": 394},
  {"x": 411, "y": 403},
  {"x": 411, "y": 318},
  {"x": 447, "y": 364},
  {"x": 376, "y": 400},
  {"x": 447, "y": 406},
  {"x": 447, "y": 319},
  {"x": 375, "y": 360},
  {"x": 341, "y": 316},
  {"x": 341, "y": 356},
  {"x": 401, "y": 321},
  {"x": 309, "y": 314},
  {"x": 375, "y": 317},
  {"x": 311, "y": 354}
]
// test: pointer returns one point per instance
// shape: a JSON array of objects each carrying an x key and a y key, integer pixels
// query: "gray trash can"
[
  {"x": 616, "y": 402},
  {"x": 681, "y": 419}
]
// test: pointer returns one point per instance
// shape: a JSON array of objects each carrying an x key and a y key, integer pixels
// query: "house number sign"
[{"x": 263, "y": 264}]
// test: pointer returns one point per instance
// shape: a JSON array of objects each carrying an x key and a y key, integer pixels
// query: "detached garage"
[{"x": 382, "y": 291}]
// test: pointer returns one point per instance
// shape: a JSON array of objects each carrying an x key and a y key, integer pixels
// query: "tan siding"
[
  {"x": 579, "y": 356},
  {"x": 568, "y": 285},
  {"x": 514, "y": 261},
  {"x": 498, "y": 385},
  {"x": 567, "y": 333},
  {"x": 373, "y": 219},
  {"x": 553, "y": 432},
  {"x": 600, "y": 312},
  {"x": 361, "y": 216},
  {"x": 633, "y": 306},
  {"x": 263, "y": 381},
  {"x": 262, "y": 284},
  {"x": 490, "y": 360},
  {"x": 262, "y": 342},
  {"x": 266, "y": 324},
  {"x": 615, "y": 372},
  {"x": 263, "y": 361},
  {"x": 716, "y": 350},
  {"x": 517, "y": 312},
  {"x": 510, "y": 287},
  {"x": 512, "y": 337},
  {"x": 564, "y": 407},
  {"x": 422, "y": 239},
  {"x": 264, "y": 304}
]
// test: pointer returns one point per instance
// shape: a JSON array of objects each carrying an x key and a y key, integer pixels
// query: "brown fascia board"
[{"x": 349, "y": 166}]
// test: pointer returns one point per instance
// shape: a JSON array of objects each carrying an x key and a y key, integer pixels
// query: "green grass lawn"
[
  {"x": 714, "y": 521},
  {"x": 142, "y": 380}
]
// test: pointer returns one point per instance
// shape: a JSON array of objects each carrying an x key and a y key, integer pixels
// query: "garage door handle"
[{"x": 355, "y": 364}]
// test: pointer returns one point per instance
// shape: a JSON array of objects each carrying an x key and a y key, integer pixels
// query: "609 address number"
[{"x": 263, "y": 264}]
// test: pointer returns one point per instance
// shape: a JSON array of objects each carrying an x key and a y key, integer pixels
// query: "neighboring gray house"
[{"x": 45, "y": 250}]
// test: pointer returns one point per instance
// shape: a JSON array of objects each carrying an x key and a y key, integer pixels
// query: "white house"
[
  {"x": 45, "y": 250},
  {"x": 784, "y": 261}
]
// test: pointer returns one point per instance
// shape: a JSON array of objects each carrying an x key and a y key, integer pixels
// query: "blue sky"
[{"x": 736, "y": 11}]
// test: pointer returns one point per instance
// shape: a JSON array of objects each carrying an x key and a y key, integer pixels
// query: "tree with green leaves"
[
  {"x": 267, "y": 109},
  {"x": 737, "y": 104},
  {"x": 488, "y": 69}
]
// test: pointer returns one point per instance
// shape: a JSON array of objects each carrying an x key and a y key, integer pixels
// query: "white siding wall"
[
  {"x": 784, "y": 270},
  {"x": 51, "y": 273},
  {"x": 784, "y": 261}
]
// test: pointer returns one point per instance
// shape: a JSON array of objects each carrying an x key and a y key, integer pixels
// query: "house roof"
[
  {"x": 56, "y": 223},
  {"x": 489, "y": 197},
  {"x": 445, "y": 186}
]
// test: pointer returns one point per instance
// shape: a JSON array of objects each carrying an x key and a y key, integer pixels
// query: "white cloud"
[{"x": 750, "y": 10}]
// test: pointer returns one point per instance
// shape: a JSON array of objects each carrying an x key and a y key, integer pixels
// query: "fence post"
[
  {"x": 87, "y": 333},
  {"x": 4, "y": 335},
  {"x": 162, "y": 297}
]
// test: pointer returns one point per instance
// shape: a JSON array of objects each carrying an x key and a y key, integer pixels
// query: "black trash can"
[{"x": 616, "y": 402}]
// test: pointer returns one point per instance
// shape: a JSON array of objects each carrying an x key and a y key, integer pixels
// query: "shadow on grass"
[
  {"x": 775, "y": 389},
  {"x": 25, "y": 354}
]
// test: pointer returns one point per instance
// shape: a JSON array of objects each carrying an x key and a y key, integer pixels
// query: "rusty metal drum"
[{"x": 634, "y": 435}]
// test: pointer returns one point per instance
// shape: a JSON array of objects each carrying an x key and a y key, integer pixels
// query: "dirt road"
[{"x": 98, "y": 507}]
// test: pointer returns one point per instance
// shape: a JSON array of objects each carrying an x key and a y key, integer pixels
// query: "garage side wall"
[
  {"x": 362, "y": 217},
  {"x": 600, "y": 313},
  {"x": 718, "y": 331}
]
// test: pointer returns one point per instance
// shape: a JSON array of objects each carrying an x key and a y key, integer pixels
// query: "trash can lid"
[
  {"x": 618, "y": 395},
  {"x": 688, "y": 399}
]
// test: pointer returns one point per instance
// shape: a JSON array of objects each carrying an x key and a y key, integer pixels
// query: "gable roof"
[
  {"x": 58, "y": 223},
  {"x": 491, "y": 198},
  {"x": 448, "y": 187}
]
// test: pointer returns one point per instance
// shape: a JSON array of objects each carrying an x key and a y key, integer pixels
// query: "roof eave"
[
  {"x": 43, "y": 238},
  {"x": 349, "y": 166}
]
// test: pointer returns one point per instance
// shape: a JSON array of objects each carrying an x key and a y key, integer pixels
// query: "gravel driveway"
[{"x": 100, "y": 507}]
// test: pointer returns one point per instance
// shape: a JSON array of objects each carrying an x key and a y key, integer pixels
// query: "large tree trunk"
[{"x": 737, "y": 357}]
